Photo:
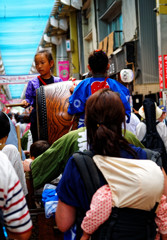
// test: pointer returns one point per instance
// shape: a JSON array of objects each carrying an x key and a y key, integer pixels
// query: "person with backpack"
[
  {"x": 152, "y": 132},
  {"x": 137, "y": 185},
  {"x": 101, "y": 208}
]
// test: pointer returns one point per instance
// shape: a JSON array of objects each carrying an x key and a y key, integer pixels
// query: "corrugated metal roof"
[{"x": 22, "y": 25}]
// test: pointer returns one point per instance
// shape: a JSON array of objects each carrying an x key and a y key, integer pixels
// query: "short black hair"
[
  {"x": 38, "y": 147},
  {"x": 4, "y": 125},
  {"x": 98, "y": 61}
]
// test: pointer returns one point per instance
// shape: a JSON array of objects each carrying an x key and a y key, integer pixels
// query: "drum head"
[{"x": 52, "y": 104}]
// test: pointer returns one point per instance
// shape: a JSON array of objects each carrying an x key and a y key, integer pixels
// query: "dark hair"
[
  {"x": 16, "y": 115},
  {"x": 98, "y": 61},
  {"x": 4, "y": 125},
  {"x": 48, "y": 55},
  {"x": 38, "y": 147},
  {"x": 104, "y": 115}
]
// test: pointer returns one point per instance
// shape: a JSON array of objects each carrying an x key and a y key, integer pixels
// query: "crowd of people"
[{"x": 127, "y": 174}]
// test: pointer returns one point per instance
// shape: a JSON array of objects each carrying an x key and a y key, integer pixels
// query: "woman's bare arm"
[{"x": 65, "y": 216}]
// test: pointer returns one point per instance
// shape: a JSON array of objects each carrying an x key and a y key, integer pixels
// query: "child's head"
[
  {"x": 98, "y": 62},
  {"x": 37, "y": 148},
  {"x": 44, "y": 63},
  {"x": 4, "y": 126}
]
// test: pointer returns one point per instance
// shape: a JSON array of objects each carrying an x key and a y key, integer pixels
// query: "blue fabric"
[
  {"x": 163, "y": 108},
  {"x": 71, "y": 233},
  {"x": 84, "y": 89},
  {"x": 50, "y": 201},
  {"x": 71, "y": 188},
  {"x": 49, "y": 195},
  {"x": 81, "y": 122}
]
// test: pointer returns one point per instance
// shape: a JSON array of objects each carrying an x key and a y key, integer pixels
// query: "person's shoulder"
[
  {"x": 10, "y": 147},
  {"x": 134, "y": 118},
  {"x": 161, "y": 126},
  {"x": 57, "y": 79},
  {"x": 161, "y": 123},
  {"x": 85, "y": 81},
  {"x": 72, "y": 136},
  {"x": 115, "y": 82},
  {"x": 140, "y": 152},
  {"x": 33, "y": 79},
  {"x": 141, "y": 124},
  {"x": 5, "y": 164},
  {"x": 76, "y": 132},
  {"x": 132, "y": 139},
  {"x": 140, "y": 127},
  {"x": 118, "y": 84},
  {"x": 81, "y": 85},
  {"x": 34, "y": 82}
]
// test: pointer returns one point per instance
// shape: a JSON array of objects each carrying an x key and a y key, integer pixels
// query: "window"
[{"x": 116, "y": 26}]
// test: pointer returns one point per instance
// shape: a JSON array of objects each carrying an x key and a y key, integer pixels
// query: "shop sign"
[
  {"x": 13, "y": 79},
  {"x": 165, "y": 70},
  {"x": 3, "y": 98},
  {"x": 160, "y": 72},
  {"x": 64, "y": 70}
]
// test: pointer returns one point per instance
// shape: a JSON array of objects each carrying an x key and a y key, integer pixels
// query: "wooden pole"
[{"x": 19, "y": 140}]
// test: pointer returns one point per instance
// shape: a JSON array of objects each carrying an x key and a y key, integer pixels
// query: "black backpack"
[
  {"x": 3, "y": 233},
  {"x": 152, "y": 139},
  {"x": 123, "y": 223}
]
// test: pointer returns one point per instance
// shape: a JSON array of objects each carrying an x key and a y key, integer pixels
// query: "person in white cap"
[
  {"x": 163, "y": 116},
  {"x": 160, "y": 126}
]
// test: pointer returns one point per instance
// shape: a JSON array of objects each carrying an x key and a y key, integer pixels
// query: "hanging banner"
[
  {"x": 13, "y": 79},
  {"x": 165, "y": 70},
  {"x": 64, "y": 70},
  {"x": 3, "y": 98},
  {"x": 160, "y": 72}
]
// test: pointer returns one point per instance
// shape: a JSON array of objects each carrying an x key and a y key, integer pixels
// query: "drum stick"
[{"x": 14, "y": 105}]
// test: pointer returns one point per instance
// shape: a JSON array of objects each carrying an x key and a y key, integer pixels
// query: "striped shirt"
[{"x": 12, "y": 201}]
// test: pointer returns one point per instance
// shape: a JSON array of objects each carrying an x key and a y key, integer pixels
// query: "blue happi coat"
[{"x": 90, "y": 85}]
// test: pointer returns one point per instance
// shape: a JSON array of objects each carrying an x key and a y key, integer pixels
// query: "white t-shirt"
[
  {"x": 15, "y": 159},
  {"x": 12, "y": 201},
  {"x": 134, "y": 121}
]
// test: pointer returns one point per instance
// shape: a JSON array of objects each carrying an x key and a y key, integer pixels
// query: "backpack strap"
[
  {"x": 90, "y": 177},
  {"x": 88, "y": 171}
]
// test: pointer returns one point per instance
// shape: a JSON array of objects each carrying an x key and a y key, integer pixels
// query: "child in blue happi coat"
[{"x": 98, "y": 64}]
